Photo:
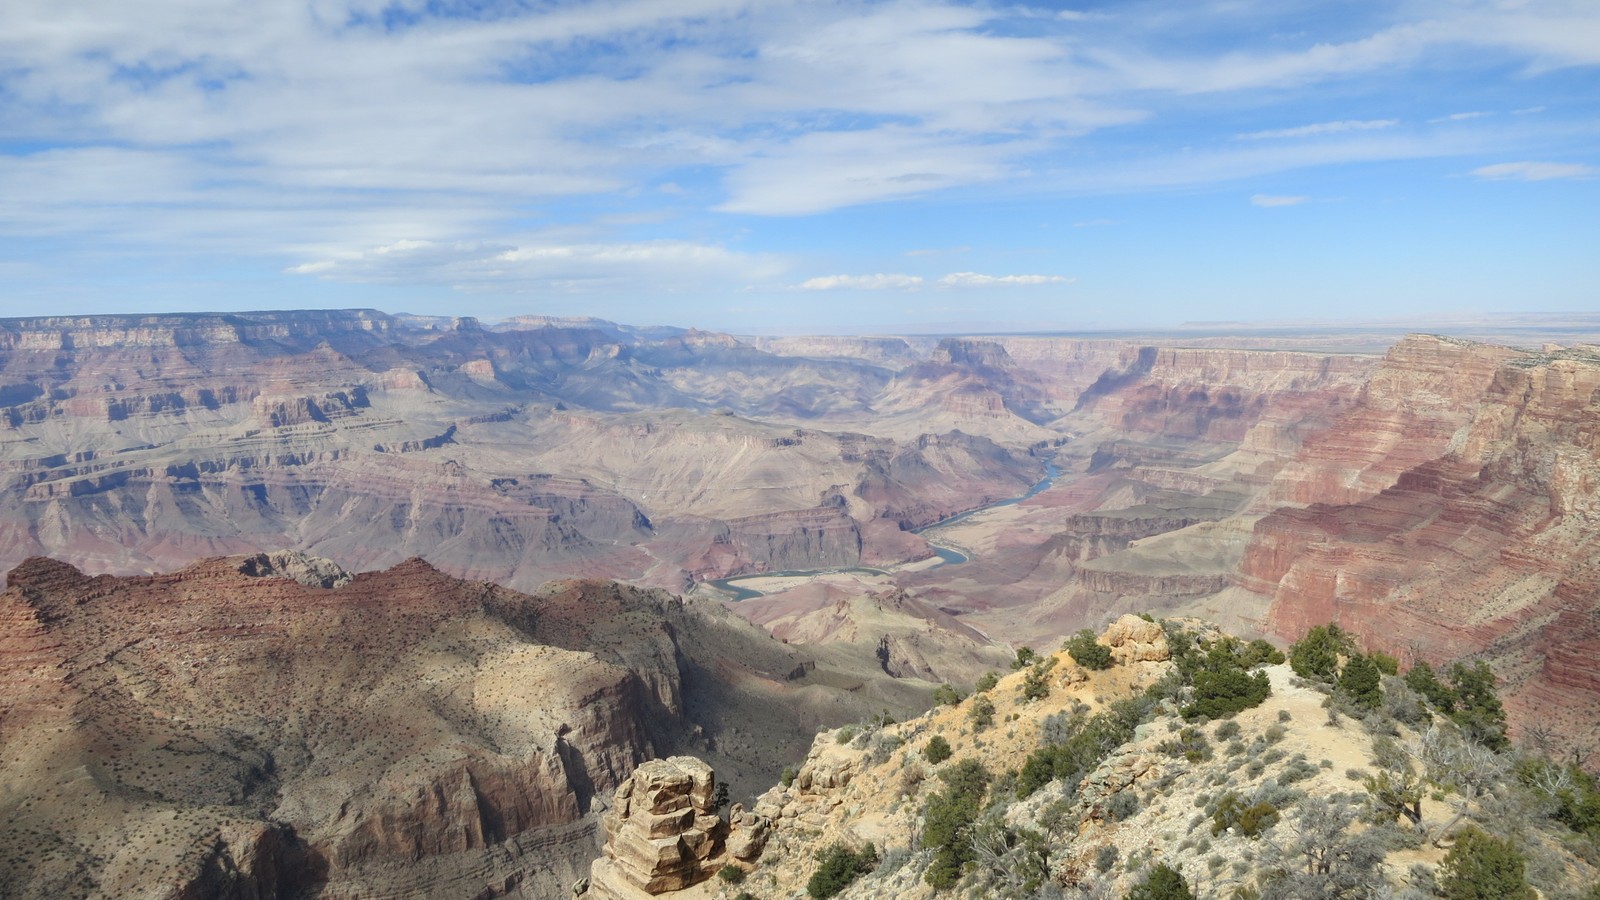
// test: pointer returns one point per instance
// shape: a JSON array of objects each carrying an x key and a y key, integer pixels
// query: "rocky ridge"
[
  {"x": 1152, "y": 799},
  {"x": 269, "y": 725}
]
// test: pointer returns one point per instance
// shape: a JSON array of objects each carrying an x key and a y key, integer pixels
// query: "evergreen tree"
[
  {"x": 1360, "y": 682},
  {"x": 1481, "y": 867},
  {"x": 1317, "y": 654},
  {"x": 1422, "y": 679},
  {"x": 1478, "y": 710}
]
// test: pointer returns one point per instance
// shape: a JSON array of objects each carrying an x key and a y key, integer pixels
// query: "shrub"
[
  {"x": 1478, "y": 710},
  {"x": 986, "y": 682},
  {"x": 1228, "y": 730},
  {"x": 1025, "y": 658},
  {"x": 1122, "y": 805},
  {"x": 1105, "y": 858},
  {"x": 1359, "y": 682},
  {"x": 982, "y": 713},
  {"x": 1317, "y": 654},
  {"x": 1386, "y": 664},
  {"x": 937, "y": 749},
  {"x": 1422, "y": 679},
  {"x": 731, "y": 874},
  {"x": 1481, "y": 867},
  {"x": 1074, "y": 746},
  {"x": 1087, "y": 652},
  {"x": 1036, "y": 684},
  {"x": 1248, "y": 819},
  {"x": 1222, "y": 682},
  {"x": 788, "y": 776},
  {"x": 837, "y": 866},
  {"x": 946, "y": 695},
  {"x": 1191, "y": 745},
  {"x": 1260, "y": 653},
  {"x": 1162, "y": 883},
  {"x": 1275, "y": 733},
  {"x": 948, "y": 821},
  {"x": 845, "y": 734}
]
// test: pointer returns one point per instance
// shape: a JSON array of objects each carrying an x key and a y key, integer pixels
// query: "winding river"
[{"x": 948, "y": 556}]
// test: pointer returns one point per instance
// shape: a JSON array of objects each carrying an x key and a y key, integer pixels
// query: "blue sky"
[{"x": 823, "y": 165}]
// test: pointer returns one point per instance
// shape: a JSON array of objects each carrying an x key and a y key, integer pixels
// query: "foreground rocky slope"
[
  {"x": 1284, "y": 799},
  {"x": 268, "y": 726}
]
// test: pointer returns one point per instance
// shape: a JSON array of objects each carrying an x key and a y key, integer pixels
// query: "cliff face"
[
  {"x": 135, "y": 443},
  {"x": 1215, "y": 395},
  {"x": 1487, "y": 548}
]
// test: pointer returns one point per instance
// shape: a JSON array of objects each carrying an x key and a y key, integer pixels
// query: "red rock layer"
[{"x": 1488, "y": 549}]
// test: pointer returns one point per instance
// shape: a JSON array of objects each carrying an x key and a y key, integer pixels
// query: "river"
[{"x": 948, "y": 556}]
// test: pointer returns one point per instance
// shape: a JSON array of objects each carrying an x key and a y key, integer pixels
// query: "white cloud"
[
  {"x": 1320, "y": 128},
  {"x": 976, "y": 279},
  {"x": 1459, "y": 117},
  {"x": 1273, "y": 200},
  {"x": 569, "y": 267},
  {"x": 1535, "y": 171},
  {"x": 881, "y": 282}
]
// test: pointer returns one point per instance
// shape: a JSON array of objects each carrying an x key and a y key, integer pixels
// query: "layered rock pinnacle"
[{"x": 663, "y": 832}]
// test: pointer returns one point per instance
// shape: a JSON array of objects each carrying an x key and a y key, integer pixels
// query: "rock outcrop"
[{"x": 662, "y": 832}]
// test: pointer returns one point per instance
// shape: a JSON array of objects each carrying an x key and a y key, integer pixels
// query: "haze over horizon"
[{"x": 785, "y": 166}]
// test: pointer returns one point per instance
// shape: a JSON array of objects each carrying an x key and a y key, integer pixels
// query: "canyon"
[{"x": 198, "y": 693}]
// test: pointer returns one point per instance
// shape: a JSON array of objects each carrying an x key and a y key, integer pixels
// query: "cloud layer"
[{"x": 639, "y": 145}]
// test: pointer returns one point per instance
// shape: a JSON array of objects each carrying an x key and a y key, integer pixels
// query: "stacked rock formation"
[{"x": 662, "y": 833}]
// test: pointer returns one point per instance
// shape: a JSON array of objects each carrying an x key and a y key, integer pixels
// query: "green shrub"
[
  {"x": 948, "y": 820},
  {"x": 788, "y": 776},
  {"x": 946, "y": 695},
  {"x": 1422, "y": 679},
  {"x": 845, "y": 735},
  {"x": 937, "y": 749},
  {"x": 982, "y": 713},
  {"x": 1075, "y": 745},
  {"x": 1359, "y": 682},
  {"x": 1228, "y": 730},
  {"x": 837, "y": 866},
  {"x": 986, "y": 682},
  {"x": 1025, "y": 658},
  {"x": 1036, "y": 684},
  {"x": 1478, "y": 710},
  {"x": 1121, "y": 805},
  {"x": 1087, "y": 652},
  {"x": 1386, "y": 664},
  {"x": 1162, "y": 883},
  {"x": 731, "y": 874},
  {"x": 1481, "y": 867},
  {"x": 1317, "y": 654},
  {"x": 1248, "y": 819}
]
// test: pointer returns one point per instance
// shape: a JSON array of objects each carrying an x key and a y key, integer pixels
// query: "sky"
[{"x": 779, "y": 166}]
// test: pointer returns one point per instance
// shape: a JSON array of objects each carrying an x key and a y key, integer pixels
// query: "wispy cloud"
[
  {"x": 1459, "y": 117},
  {"x": 546, "y": 265},
  {"x": 1274, "y": 200},
  {"x": 882, "y": 282},
  {"x": 1320, "y": 128},
  {"x": 900, "y": 282},
  {"x": 1535, "y": 171},
  {"x": 976, "y": 279}
]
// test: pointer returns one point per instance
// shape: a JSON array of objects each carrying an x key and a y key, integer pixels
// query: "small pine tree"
[
  {"x": 1478, "y": 709},
  {"x": 937, "y": 749},
  {"x": 1360, "y": 682},
  {"x": 1163, "y": 883},
  {"x": 1422, "y": 679},
  {"x": 1482, "y": 867}
]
